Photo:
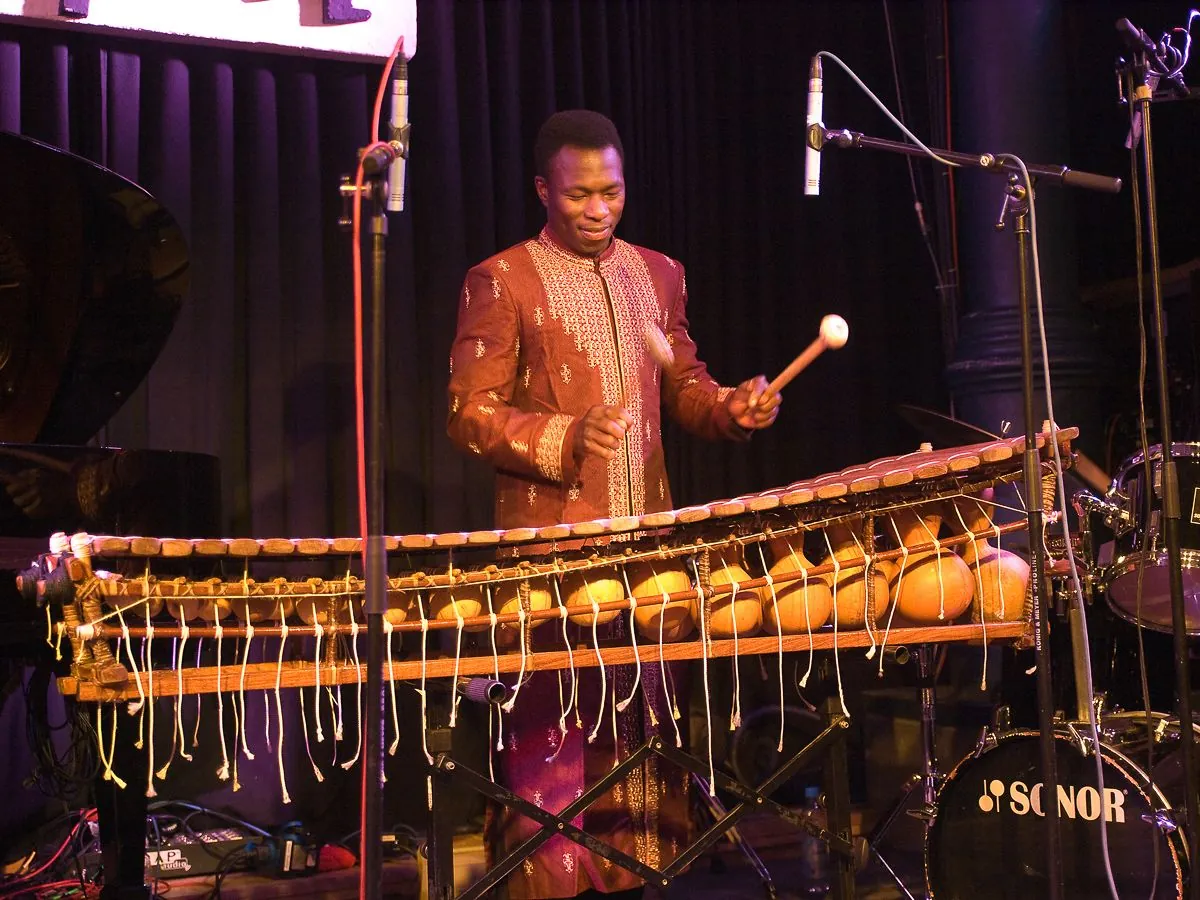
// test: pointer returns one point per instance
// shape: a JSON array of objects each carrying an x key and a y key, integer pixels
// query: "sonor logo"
[
  {"x": 168, "y": 860},
  {"x": 1073, "y": 802}
]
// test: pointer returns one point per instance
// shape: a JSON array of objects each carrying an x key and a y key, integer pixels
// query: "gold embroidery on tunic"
[
  {"x": 539, "y": 316},
  {"x": 549, "y": 447},
  {"x": 487, "y": 410},
  {"x": 467, "y": 296},
  {"x": 579, "y": 301},
  {"x": 532, "y": 494},
  {"x": 502, "y": 265},
  {"x": 519, "y": 446},
  {"x": 474, "y": 447},
  {"x": 565, "y": 372},
  {"x": 480, "y": 349},
  {"x": 723, "y": 394},
  {"x": 495, "y": 287}
]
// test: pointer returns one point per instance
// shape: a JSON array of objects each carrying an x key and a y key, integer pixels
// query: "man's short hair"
[{"x": 574, "y": 128}]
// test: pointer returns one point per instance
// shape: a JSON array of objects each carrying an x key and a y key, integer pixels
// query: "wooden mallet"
[{"x": 834, "y": 332}]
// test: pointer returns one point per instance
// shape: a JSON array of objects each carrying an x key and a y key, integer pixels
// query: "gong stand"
[{"x": 846, "y": 855}]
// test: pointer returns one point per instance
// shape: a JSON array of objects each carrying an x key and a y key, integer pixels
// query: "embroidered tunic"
[{"x": 543, "y": 335}]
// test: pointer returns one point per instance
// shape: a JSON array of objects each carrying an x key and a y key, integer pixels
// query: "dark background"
[{"x": 246, "y": 149}]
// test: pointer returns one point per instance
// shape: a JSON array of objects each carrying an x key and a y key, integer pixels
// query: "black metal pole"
[
  {"x": 371, "y": 859},
  {"x": 1018, "y": 200},
  {"x": 1170, "y": 497}
]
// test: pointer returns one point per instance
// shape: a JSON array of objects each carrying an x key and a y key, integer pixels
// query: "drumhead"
[
  {"x": 988, "y": 838},
  {"x": 1154, "y": 610}
]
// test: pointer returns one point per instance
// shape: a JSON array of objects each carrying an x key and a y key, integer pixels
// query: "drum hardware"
[
  {"x": 1136, "y": 579},
  {"x": 926, "y": 778},
  {"x": 1116, "y": 518},
  {"x": 1162, "y": 820}
]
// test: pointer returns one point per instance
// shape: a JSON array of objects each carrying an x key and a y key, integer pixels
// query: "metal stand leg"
[
  {"x": 837, "y": 806},
  {"x": 717, "y": 810},
  {"x": 439, "y": 844},
  {"x": 121, "y": 816},
  {"x": 926, "y": 779}
]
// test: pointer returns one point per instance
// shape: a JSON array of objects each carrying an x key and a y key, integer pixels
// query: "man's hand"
[
  {"x": 601, "y": 431},
  {"x": 752, "y": 405}
]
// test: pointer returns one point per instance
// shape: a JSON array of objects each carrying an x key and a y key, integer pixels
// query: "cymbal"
[
  {"x": 940, "y": 429},
  {"x": 946, "y": 431}
]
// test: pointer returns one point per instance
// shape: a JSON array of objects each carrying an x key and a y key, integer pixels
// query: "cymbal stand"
[
  {"x": 1139, "y": 79},
  {"x": 927, "y": 778}
]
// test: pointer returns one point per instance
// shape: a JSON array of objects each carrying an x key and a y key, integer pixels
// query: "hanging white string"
[
  {"x": 735, "y": 713},
  {"x": 283, "y": 633},
  {"x": 779, "y": 634},
  {"x": 712, "y": 789},
  {"x": 307, "y": 747},
  {"x": 134, "y": 705},
  {"x": 348, "y": 764},
  {"x": 218, "y": 633},
  {"x": 978, "y": 567},
  {"x": 495, "y": 670},
  {"x": 175, "y": 729},
  {"x": 388, "y": 629},
  {"x": 564, "y": 702},
  {"x": 318, "y": 633},
  {"x": 616, "y": 740},
  {"x": 237, "y": 730},
  {"x": 245, "y": 724},
  {"x": 837, "y": 663},
  {"x": 61, "y": 630},
  {"x": 637, "y": 657},
  {"x": 455, "y": 697},
  {"x": 109, "y": 774},
  {"x": 904, "y": 553},
  {"x": 667, "y": 680},
  {"x": 421, "y": 692},
  {"x": 199, "y": 697},
  {"x": 937, "y": 558},
  {"x": 184, "y": 633},
  {"x": 149, "y": 669},
  {"x": 508, "y": 705},
  {"x": 591, "y": 739}
]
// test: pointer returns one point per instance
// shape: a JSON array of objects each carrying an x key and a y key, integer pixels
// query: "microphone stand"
[
  {"x": 375, "y": 168},
  {"x": 1136, "y": 75},
  {"x": 1016, "y": 205}
]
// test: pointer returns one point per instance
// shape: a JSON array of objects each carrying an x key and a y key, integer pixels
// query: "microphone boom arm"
[{"x": 819, "y": 137}]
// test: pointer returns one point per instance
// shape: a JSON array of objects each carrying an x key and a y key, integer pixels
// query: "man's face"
[{"x": 584, "y": 195}]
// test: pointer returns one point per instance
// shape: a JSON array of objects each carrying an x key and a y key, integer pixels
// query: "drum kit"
[{"x": 1120, "y": 805}]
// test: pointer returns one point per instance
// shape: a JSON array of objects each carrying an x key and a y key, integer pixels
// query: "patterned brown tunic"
[{"x": 543, "y": 335}]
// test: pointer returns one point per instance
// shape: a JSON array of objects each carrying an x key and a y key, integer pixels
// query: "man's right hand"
[{"x": 601, "y": 431}]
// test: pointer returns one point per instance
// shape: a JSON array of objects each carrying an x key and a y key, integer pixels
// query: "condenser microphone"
[
  {"x": 399, "y": 136},
  {"x": 813, "y": 125}
]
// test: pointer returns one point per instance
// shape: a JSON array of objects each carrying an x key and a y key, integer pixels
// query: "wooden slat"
[
  {"x": 210, "y": 547},
  {"x": 244, "y": 547},
  {"x": 176, "y": 548},
  {"x": 262, "y": 676},
  {"x": 312, "y": 546},
  {"x": 278, "y": 546}
]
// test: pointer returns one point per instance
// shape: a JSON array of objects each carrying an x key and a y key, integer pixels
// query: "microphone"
[
  {"x": 399, "y": 136},
  {"x": 813, "y": 127},
  {"x": 1136, "y": 39}
]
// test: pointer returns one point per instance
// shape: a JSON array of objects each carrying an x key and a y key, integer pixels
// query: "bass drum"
[{"x": 988, "y": 837}]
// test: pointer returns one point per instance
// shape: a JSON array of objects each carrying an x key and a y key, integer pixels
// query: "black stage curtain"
[{"x": 246, "y": 149}]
